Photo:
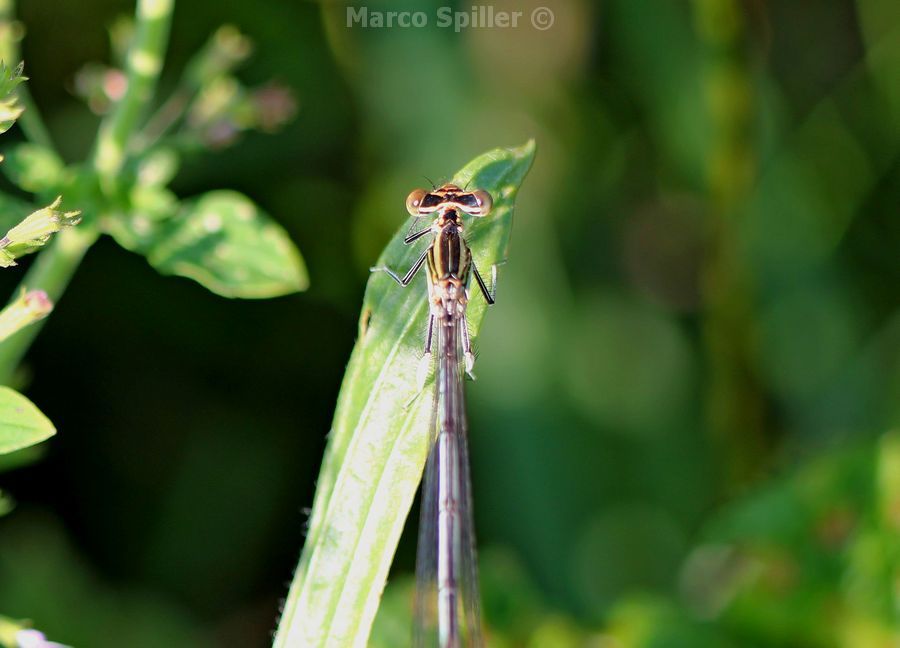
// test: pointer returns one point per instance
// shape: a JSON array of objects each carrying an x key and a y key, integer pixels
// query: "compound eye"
[
  {"x": 414, "y": 201},
  {"x": 484, "y": 201}
]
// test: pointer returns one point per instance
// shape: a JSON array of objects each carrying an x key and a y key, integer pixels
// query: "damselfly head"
[{"x": 474, "y": 203}]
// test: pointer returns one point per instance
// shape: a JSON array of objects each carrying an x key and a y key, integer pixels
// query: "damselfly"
[{"x": 447, "y": 600}]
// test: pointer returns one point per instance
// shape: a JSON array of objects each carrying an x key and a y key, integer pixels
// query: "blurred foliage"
[
  {"x": 223, "y": 241},
  {"x": 680, "y": 429}
]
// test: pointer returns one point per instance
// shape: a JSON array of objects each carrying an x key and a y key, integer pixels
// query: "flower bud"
[
  {"x": 30, "y": 306},
  {"x": 36, "y": 229}
]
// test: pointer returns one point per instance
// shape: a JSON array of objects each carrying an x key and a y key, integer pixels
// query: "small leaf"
[
  {"x": 157, "y": 168},
  {"x": 21, "y": 423},
  {"x": 145, "y": 220},
  {"x": 10, "y": 110},
  {"x": 226, "y": 243},
  {"x": 379, "y": 439},
  {"x": 224, "y": 51},
  {"x": 33, "y": 168}
]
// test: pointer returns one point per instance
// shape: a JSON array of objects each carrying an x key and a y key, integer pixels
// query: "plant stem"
[
  {"x": 51, "y": 272},
  {"x": 31, "y": 122},
  {"x": 144, "y": 62},
  {"x": 166, "y": 117},
  {"x": 735, "y": 403}
]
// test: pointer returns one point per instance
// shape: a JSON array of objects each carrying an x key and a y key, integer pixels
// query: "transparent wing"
[{"x": 448, "y": 613}]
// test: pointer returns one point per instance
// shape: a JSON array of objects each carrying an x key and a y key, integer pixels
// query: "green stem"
[
  {"x": 144, "y": 62},
  {"x": 32, "y": 123},
  {"x": 51, "y": 272},
  {"x": 165, "y": 118},
  {"x": 736, "y": 404}
]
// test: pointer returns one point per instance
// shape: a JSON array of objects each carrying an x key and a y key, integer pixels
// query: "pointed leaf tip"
[{"x": 21, "y": 423}]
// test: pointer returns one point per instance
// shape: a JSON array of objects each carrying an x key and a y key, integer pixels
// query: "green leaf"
[
  {"x": 157, "y": 168},
  {"x": 33, "y": 168},
  {"x": 10, "y": 110},
  {"x": 21, "y": 423},
  {"x": 225, "y": 242},
  {"x": 151, "y": 209},
  {"x": 379, "y": 440}
]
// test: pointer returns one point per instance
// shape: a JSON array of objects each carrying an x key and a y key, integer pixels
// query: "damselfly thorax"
[{"x": 449, "y": 266}]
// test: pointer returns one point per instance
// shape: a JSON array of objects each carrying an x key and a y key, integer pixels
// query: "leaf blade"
[
  {"x": 223, "y": 241},
  {"x": 22, "y": 424},
  {"x": 10, "y": 107},
  {"x": 378, "y": 447},
  {"x": 33, "y": 167}
]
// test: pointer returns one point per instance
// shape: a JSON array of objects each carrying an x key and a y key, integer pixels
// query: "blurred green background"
[{"x": 681, "y": 434}]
